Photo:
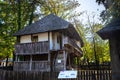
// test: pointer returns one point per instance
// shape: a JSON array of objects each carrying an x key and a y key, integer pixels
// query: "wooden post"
[
  {"x": 69, "y": 60},
  {"x": 16, "y": 57},
  {"x": 30, "y": 62},
  {"x": 64, "y": 54},
  {"x": 50, "y": 40},
  {"x": 49, "y": 56}
]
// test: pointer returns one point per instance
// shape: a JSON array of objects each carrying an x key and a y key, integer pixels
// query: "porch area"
[{"x": 32, "y": 66}]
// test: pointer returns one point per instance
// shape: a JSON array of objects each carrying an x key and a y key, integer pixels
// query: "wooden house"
[{"x": 49, "y": 44}]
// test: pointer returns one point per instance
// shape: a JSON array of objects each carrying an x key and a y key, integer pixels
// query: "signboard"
[
  {"x": 59, "y": 61},
  {"x": 67, "y": 74}
]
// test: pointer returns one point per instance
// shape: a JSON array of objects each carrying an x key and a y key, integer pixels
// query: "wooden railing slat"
[
  {"x": 37, "y": 75},
  {"x": 36, "y": 66},
  {"x": 32, "y": 48}
]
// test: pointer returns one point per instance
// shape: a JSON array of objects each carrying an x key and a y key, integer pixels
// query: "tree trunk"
[
  {"x": 115, "y": 57},
  {"x": 6, "y": 61},
  {"x": 31, "y": 15},
  {"x": 19, "y": 15}
]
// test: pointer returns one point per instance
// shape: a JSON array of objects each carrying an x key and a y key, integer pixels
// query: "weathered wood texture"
[
  {"x": 115, "y": 56},
  {"x": 29, "y": 75},
  {"x": 95, "y": 67},
  {"x": 58, "y": 66},
  {"x": 33, "y": 66},
  {"x": 71, "y": 42},
  {"x": 32, "y": 48}
]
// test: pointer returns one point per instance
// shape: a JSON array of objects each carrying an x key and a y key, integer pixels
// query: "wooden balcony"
[
  {"x": 71, "y": 45},
  {"x": 32, "y": 66},
  {"x": 32, "y": 48},
  {"x": 71, "y": 42}
]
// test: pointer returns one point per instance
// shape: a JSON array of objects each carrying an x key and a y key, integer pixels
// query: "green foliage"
[
  {"x": 12, "y": 19},
  {"x": 112, "y": 9},
  {"x": 6, "y": 30},
  {"x": 101, "y": 49},
  {"x": 62, "y": 8},
  {"x": 93, "y": 44}
]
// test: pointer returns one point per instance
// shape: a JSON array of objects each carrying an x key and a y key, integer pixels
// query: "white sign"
[
  {"x": 67, "y": 74},
  {"x": 59, "y": 61}
]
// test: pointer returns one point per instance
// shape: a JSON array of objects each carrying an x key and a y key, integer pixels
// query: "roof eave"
[
  {"x": 75, "y": 34},
  {"x": 110, "y": 29}
]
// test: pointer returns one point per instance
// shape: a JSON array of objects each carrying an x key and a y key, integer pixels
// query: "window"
[
  {"x": 40, "y": 57},
  {"x": 34, "y": 38}
]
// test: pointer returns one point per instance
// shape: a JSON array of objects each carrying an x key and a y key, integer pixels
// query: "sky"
[{"x": 91, "y": 7}]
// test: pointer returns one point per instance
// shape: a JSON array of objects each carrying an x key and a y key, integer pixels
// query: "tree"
[
  {"x": 13, "y": 17},
  {"x": 112, "y": 9},
  {"x": 6, "y": 31},
  {"x": 95, "y": 49},
  {"x": 62, "y": 8}
]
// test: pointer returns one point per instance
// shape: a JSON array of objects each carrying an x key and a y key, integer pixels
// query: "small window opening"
[{"x": 34, "y": 38}]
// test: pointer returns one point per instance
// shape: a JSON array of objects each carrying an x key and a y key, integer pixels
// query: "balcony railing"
[
  {"x": 32, "y": 66},
  {"x": 71, "y": 42},
  {"x": 32, "y": 48}
]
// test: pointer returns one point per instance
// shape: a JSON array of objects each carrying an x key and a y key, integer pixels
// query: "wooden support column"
[
  {"x": 64, "y": 54},
  {"x": 77, "y": 62},
  {"x": 49, "y": 35},
  {"x": 30, "y": 62},
  {"x": 69, "y": 60},
  {"x": 49, "y": 46},
  {"x": 16, "y": 57}
]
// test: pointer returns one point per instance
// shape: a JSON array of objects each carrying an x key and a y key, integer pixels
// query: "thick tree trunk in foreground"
[{"x": 115, "y": 57}]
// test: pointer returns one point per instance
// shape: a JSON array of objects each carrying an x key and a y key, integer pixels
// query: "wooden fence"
[
  {"x": 95, "y": 67},
  {"x": 29, "y": 75}
]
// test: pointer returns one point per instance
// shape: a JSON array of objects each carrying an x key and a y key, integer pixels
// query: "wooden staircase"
[{"x": 59, "y": 61}]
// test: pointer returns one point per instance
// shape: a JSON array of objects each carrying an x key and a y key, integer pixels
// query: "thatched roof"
[
  {"x": 49, "y": 23},
  {"x": 111, "y": 29}
]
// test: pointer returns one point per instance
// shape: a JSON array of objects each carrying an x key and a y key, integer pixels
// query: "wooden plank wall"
[
  {"x": 32, "y": 48},
  {"x": 35, "y": 66},
  {"x": 28, "y": 75}
]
